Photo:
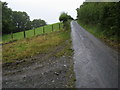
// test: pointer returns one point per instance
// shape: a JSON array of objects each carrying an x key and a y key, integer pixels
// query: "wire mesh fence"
[{"x": 33, "y": 32}]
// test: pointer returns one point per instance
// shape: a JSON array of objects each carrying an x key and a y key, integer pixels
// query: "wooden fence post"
[
  {"x": 59, "y": 26},
  {"x": 43, "y": 30},
  {"x": 34, "y": 31},
  {"x": 24, "y": 34},
  {"x": 52, "y": 28},
  {"x": 12, "y": 35}
]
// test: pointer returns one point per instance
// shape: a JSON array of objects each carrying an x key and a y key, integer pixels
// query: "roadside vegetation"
[
  {"x": 46, "y": 50},
  {"x": 102, "y": 20},
  {"x": 65, "y": 19},
  {"x": 43, "y": 44},
  {"x": 32, "y": 46}
]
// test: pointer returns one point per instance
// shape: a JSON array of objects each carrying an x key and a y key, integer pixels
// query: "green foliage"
[
  {"x": 105, "y": 15},
  {"x": 65, "y": 18},
  {"x": 46, "y": 44},
  {"x": 7, "y": 25},
  {"x": 16, "y": 21},
  {"x": 20, "y": 20},
  {"x": 66, "y": 25},
  {"x": 38, "y": 23}
]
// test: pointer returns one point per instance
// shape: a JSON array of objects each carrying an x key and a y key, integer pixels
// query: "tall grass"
[
  {"x": 21, "y": 49},
  {"x": 96, "y": 31}
]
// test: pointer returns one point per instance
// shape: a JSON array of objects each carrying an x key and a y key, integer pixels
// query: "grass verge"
[
  {"x": 35, "y": 45},
  {"x": 96, "y": 31}
]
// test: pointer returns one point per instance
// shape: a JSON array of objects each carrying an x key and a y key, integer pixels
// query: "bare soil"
[{"x": 40, "y": 71}]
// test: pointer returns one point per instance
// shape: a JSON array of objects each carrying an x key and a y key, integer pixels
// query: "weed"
[{"x": 31, "y": 46}]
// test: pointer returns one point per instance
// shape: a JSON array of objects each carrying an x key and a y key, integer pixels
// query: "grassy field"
[{"x": 30, "y": 33}]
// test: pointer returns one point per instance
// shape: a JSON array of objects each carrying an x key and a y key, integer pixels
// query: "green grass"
[
  {"x": 55, "y": 44},
  {"x": 30, "y": 33},
  {"x": 18, "y": 35},
  {"x": 43, "y": 44},
  {"x": 96, "y": 31}
]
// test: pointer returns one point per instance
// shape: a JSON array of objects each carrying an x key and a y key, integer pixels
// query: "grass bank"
[
  {"x": 42, "y": 44},
  {"x": 96, "y": 31},
  {"x": 48, "y": 49}
]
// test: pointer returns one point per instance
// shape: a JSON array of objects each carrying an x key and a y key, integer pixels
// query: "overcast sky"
[{"x": 48, "y": 10}]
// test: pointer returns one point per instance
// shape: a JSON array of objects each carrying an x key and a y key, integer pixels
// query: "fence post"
[
  {"x": 24, "y": 34},
  {"x": 34, "y": 31},
  {"x": 43, "y": 30},
  {"x": 12, "y": 35},
  {"x": 59, "y": 26},
  {"x": 52, "y": 28}
]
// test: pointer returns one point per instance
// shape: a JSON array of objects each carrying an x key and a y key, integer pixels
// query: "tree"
[
  {"x": 21, "y": 20},
  {"x": 65, "y": 18},
  {"x": 7, "y": 23},
  {"x": 38, "y": 23},
  {"x": 29, "y": 25},
  {"x": 16, "y": 21},
  {"x": 105, "y": 15}
]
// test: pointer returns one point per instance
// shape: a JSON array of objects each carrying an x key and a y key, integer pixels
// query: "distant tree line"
[
  {"x": 16, "y": 21},
  {"x": 106, "y": 15}
]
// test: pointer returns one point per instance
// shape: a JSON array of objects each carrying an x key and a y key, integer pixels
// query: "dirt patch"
[{"x": 41, "y": 71}]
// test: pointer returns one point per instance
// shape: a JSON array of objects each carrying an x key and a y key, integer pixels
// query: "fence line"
[
  {"x": 59, "y": 26},
  {"x": 24, "y": 34},
  {"x": 12, "y": 35},
  {"x": 44, "y": 30},
  {"x": 52, "y": 28}
]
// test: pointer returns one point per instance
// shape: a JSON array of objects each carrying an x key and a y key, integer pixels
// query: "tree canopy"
[
  {"x": 65, "y": 17},
  {"x": 20, "y": 20},
  {"x": 7, "y": 25},
  {"x": 16, "y": 21},
  {"x": 38, "y": 23},
  {"x": 105, "y": 14}
]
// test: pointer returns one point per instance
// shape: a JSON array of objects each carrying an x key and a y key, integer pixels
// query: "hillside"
[{"x": 49, "y": 56}]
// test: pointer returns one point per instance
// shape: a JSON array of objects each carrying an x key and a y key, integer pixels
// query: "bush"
[{"x": 65, "y": 18}]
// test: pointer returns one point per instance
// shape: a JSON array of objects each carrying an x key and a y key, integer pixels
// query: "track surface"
[{"x": 96, "y": 65}]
